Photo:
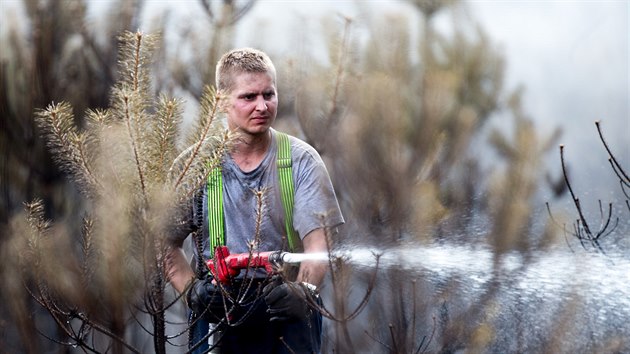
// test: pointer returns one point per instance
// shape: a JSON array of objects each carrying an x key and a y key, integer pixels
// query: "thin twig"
[
  {"x": 576, "y": 201},
  {"x": 378, "y": 341},
  {"x": 620, "y": 171},
  {"x": 332, "y": 120}
]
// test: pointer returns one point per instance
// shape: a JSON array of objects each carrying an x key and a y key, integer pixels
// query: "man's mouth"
[{"x": 260, "y": 119}]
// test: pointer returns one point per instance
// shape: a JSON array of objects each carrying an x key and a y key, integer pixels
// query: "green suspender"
[
  {"x": 216, "y": 230},
  {"x": 215, "y": 209},
  {"x": 285, "y": 174}
]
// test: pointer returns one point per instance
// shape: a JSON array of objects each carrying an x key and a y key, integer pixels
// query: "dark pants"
[{"x": 256, "y": 334}]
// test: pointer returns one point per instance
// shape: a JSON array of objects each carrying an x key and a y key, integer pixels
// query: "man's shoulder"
[{"x": 300, "y": 148}]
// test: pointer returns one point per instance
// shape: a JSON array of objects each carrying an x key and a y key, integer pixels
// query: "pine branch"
[
  {"x": 260, "y": 212},
  {"x": 203, "y": 134},
  {"x": 209, "y": 155},
  {"x": 88, "y": 250},
  {"x": 209, "y": 107},
  {"x": 136, "y": 56},
  {"x": 168, "y": 119},
  {"x": 39, "y": 226},
  {"x": 68, "y": 146},
  {"x": 96, "y": 122},
  {"x": 133, "y": 97}
]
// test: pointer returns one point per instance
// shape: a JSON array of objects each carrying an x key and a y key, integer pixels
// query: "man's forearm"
[
  {"x": 178, "y": 271},
  {"x": 313, "y": 272}
]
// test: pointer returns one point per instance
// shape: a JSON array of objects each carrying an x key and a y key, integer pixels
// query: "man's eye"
[
  {"x": 268, "y": 95},
  {"x": 249, "y": 97}
]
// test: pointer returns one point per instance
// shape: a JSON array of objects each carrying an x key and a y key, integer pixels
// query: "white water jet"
[
  {"x": 553, "y": 275},
  {"x": 301, "y": 257}
]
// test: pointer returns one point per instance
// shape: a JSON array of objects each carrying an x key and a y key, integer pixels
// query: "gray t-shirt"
[{"x": 315, "y": 203}]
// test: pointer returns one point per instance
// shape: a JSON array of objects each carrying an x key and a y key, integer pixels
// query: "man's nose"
[{"x": 261, "y": 104}]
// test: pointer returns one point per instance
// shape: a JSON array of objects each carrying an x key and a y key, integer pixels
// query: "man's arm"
[
  {"x": 178, "y": 271},
  {"x": 313, "y": 272}
]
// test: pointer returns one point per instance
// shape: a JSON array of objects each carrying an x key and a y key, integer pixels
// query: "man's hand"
[
  {"x": 205, "y": 299},
  {"x": 287, "y": 301}
]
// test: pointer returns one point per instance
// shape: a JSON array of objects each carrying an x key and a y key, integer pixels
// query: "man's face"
[{"x": 252, "y": 104}]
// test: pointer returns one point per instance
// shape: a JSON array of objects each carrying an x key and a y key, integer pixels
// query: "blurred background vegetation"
[{"x": 400, "y": 111}]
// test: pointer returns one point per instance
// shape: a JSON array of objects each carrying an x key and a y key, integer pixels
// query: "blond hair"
[{"x": 243, "y": 60}]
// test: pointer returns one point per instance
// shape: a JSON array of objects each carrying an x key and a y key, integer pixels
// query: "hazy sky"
[{"x": 572, "y": 57}]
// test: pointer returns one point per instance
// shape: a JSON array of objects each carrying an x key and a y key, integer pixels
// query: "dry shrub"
[{"x": 138, "y": 184}]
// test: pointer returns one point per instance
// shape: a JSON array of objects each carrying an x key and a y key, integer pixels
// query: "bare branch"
[{"x": 619, "y": 171}]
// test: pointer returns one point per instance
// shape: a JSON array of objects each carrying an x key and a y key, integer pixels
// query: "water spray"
[{"x": 540, "y": 288}]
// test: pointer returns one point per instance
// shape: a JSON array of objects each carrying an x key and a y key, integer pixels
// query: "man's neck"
[{"x": 250, "y": 150}]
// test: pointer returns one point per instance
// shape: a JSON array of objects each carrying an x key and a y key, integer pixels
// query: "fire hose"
[{"x": 225, "y": 266}]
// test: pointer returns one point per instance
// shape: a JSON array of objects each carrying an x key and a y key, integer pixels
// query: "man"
[{"x": 268, "y": 316}]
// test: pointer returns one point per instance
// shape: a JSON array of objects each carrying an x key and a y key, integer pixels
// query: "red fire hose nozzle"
[{"x": 225, "y": 266}]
